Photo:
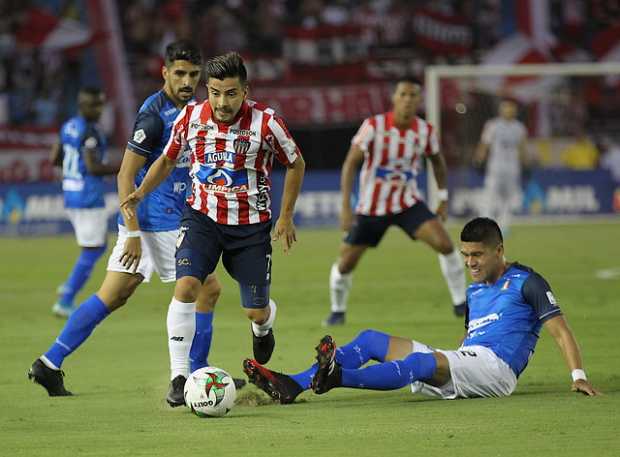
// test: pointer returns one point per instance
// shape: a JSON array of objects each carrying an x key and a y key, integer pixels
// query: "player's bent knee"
[
  {"x": 445, "y": 247},
  {"x": 257, "y": 315},
  {"x": 209, "y": 295},
  {"x": 422, "y": 364},
  {"x": 349, "y": 258},
  {"x": 117, "y": 288},
  {"x": 187, "y": 289}
]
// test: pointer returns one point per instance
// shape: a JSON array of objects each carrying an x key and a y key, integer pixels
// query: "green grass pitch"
[{"x": 120, "y": 375}]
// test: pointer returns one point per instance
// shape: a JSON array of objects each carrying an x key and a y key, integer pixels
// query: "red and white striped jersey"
[
  {"x": 230, "y": 164},
  {"x": 387, "y": 183}
]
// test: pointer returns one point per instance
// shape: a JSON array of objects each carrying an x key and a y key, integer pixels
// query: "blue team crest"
[{"x": 392, "y": 174}]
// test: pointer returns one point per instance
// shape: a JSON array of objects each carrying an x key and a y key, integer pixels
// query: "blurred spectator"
[
  {"x": 611, "y": 158},
  {"x": 581, "y": 155}
]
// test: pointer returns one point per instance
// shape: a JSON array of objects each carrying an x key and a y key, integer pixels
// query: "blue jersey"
[
  {"x": 506, "y": 317},
  {"x": 161, "y": 209},
  {"x": 81, "y": 189}
]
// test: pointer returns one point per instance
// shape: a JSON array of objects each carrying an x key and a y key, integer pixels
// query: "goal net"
[{"x": 571, "y": 113}]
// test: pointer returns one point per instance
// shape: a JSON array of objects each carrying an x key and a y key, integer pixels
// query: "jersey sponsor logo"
[
  {"x": 482, "y": 321},
  {"x": 225, "y": 156},
  {"x": 184, "y": 159},
  {"x": 179, "y": 187},
  {"x": 220, "y": 180},
  {"x": 551, "y": 298},
  {"x": 394, "y": 175},
  {"x": 243, "y": 132},
  {"x": 176, "y": 338},
  {"x": 263, "y": 201},
  {"x": 139, "y": 136},
  {"x": 170, "y": 111},
  {"x": 241, "y": 146},
  {"x": 201, "y": 126}
]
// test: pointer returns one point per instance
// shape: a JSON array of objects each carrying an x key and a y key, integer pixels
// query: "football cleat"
[
  {"x": 175, "y": 396},
  {"x": 460, "y": 310},
  {"x": 239, "y": 383},
  {"x": 263, "y": 346},
  {"x": 50, "y": 379},
  {"x": 61, "y": 310},
  {"x": 335, "y": 318},
  {"x": 278, "y": 386},
  {"x": 329, "y": 373}
]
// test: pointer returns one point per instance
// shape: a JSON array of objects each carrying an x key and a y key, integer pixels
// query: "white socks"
[
  {"x": 181, "y": 324},
  {"x": 262, "y": 329},
  {"x": 454, "y": 272},
  {"x": 339, "y": 287}
]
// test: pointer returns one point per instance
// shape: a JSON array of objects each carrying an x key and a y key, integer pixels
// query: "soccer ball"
[{"x": 209, "y": 392}]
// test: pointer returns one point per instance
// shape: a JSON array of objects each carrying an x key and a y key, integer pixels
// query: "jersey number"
[
  {"x": 70, "y": 162},
  {"x": 469, "y": 353}
]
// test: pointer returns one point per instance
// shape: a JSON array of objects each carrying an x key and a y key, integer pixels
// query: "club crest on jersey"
[{"x": 241, "y": 146}]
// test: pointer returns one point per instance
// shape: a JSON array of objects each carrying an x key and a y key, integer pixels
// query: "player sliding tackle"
[{"x": 507, "y": 304}]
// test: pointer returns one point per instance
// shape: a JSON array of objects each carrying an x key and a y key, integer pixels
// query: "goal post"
[{"x": 486, "y": 78}]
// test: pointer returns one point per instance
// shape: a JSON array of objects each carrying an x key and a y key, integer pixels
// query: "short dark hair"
[
  {"x": 410, "y": 80},
  {"x": 182, "y": 50},
  {"x": 228, "y": 65},
  {"x": 482, "y": 230},
  {"x": 91, "y": 90}
]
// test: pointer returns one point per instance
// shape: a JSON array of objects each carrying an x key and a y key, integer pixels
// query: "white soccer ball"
[{"x": 210, "y": 392}]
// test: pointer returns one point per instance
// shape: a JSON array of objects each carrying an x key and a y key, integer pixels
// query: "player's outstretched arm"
[
  {"x": 56, "y": 154},
  {"x": 355, "y": 157},
  {"x": 159, "y": 171},
  {"x": 131, "y": 164},
  {"x": 565, "y": 339},
  {"x": 285, "y": 228}
]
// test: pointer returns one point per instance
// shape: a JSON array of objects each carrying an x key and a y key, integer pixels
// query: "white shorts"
[
  {"x": 475, "y": 371},
  {"x": 90, "y": 226},
  {"x": 158, "y": 249}
]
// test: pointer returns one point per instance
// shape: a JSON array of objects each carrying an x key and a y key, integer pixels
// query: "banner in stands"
[
  {"x": 37, "y": 209},
  {"x": 546, "y": 192},
  {"x": 442, "y": 33},
  {"x": 24, "y": 154},
  {"x": 326, "y": 105}
]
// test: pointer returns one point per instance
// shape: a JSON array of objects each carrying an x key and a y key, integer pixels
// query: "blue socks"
[
  {"x": 79, "y": 326},
  {"x": 391, "y": 375},
  {"x": 368, "y": 345},
  {"x": 80, "y": 274},
  {"x": 201, "y": 344}
]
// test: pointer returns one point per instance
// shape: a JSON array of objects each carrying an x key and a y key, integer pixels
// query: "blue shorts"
[
  {"x": 245, "y": 249},
  {"x": 369, "y": 230}
]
